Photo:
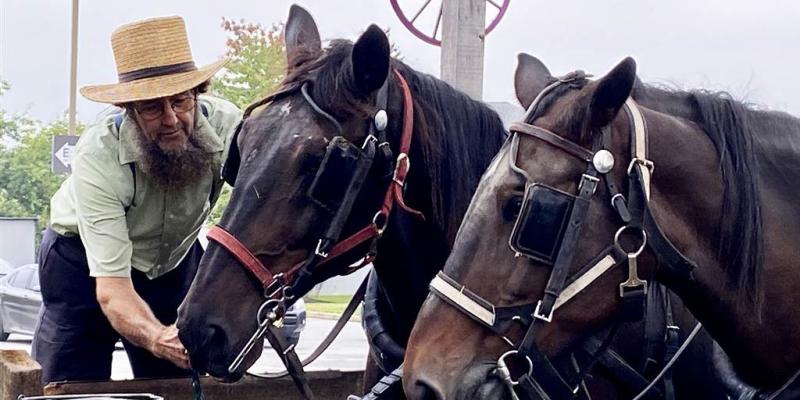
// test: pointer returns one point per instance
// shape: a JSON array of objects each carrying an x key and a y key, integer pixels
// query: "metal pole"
[
  {"x": 463, "y": 24},
  {"x": 73, "y": 72}
]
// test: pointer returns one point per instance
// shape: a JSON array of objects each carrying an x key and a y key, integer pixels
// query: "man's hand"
[
  {"x": 133, "y": 319},
  {"x": 168, "y": 346}
]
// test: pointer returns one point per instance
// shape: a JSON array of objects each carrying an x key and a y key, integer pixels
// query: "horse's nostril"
[
  {"x": 215, "y": 338},
  {"x": 424, "y": 390}
]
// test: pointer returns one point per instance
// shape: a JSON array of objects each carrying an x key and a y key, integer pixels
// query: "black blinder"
[
  {"x": 339, "y": 174},
  {"x": 541, "y": 223},
  {"x": 512, "y": 207},
  {"x": 231, "y": 166}
]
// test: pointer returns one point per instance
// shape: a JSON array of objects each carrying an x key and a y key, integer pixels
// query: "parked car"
[
  {"x": 5, "y": 267},
  {"x": 293, "y": 322},
  {"x": 20, "y": 300}
]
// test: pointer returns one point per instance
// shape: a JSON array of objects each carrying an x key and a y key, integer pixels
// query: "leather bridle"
[
  {"x": 539, "y": 378},
  {"x": 281, "y": 289}
]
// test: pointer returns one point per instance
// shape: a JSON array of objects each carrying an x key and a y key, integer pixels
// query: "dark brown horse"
[
  {"x": 723, "y": 187},
  {"x": 282, "y": 144}
]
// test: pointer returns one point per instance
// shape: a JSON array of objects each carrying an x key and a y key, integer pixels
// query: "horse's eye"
[{"x": 512, "y": 207}]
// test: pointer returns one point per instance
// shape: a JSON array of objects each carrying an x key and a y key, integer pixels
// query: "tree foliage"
[
  {"x": 257, "y": 62},
  {"x": 26, "y": 181},
  {"x": 257, "y": 65}
]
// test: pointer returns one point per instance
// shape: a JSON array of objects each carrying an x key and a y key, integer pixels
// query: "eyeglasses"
[{"x": 154, "y": 109}]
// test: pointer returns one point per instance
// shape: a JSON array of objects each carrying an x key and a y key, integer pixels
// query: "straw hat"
[{"x": 153, "y": 60}]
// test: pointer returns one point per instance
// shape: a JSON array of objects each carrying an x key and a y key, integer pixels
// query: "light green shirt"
[{"x": 160, "y": 225}]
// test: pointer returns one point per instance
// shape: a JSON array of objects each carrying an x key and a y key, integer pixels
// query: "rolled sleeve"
[{"x": 100, "y": 213}]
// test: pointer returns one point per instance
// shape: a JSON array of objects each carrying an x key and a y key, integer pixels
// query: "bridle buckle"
[
  {"x": 402, "y": 166},
  {"x": 277, "y": 285},
  {"x": 538, "y": 315},
  {"x": 589, "y": 178},
  {"x": 318, "y": 251}
]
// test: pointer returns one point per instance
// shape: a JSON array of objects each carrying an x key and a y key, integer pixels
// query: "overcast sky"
[{"x": 749, "y": 48}]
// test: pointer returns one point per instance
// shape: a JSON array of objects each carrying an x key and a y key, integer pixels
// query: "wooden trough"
[{"x": 21, "y": 375}]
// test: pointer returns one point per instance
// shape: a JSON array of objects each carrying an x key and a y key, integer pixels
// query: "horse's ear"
[
  {"x": 530, "y": 78},
  {"x": 300, "y": 36},
  {"x": 611, "y": 92},
  {"x": 370, "y": 59}
]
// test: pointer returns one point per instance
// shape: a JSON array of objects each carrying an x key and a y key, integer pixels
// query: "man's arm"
[{"x": 133, "y": 319}]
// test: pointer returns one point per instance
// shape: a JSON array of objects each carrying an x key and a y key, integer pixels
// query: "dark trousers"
[{"x": 73, "y": 339}]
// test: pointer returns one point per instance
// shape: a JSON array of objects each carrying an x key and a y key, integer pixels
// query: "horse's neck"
[
  {"x": 409, "y": 255},
  {"x": 765, "y": 349},
  {"x": 412, "y": 251}
]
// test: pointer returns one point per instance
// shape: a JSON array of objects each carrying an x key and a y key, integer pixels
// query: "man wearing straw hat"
[{"x": 122, "y": 247}]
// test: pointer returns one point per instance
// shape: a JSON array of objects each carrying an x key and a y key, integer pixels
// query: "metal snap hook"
[
  {"x": 505, "y": 372},
  {"x": 641, "y": 247}
]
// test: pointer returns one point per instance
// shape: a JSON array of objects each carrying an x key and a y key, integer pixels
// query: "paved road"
[{"x": 347, "y": 353}]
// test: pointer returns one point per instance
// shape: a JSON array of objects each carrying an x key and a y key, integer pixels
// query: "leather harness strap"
[
  {"x": 242, "y": 253},
  {"x": 553, "y": 139},
  {"x": 374, "y": 230}
]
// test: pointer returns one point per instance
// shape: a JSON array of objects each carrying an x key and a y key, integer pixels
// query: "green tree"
[
  {"x": 257, "y": 62},
  {"x": 257, "y": 65},
  {"x": 26, "y": 182}
]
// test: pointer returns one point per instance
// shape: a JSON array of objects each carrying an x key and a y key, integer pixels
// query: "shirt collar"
[{"x": 128, "y": 149}]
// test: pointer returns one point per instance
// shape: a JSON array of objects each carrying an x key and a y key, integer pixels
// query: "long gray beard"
[{"x": 175, "y": 169}]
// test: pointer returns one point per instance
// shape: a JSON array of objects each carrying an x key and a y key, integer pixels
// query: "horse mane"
[
  {"x": 734, "y": 128},
  {"x": 457, "y": 135}
]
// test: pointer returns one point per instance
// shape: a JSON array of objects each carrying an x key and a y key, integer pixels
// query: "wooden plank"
[
  {"x": 325, "y": 384},
  {"x": 462, "y": 45},
  {"x": 19, "y": 374}
]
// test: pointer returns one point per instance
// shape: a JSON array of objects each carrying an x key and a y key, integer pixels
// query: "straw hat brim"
[{"x": 151, "y": 88}]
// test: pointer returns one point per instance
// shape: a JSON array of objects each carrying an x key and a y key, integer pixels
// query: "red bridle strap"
[
  {"x": 235, "y": 247},
  {"x": 395, "y": 190},
  {"x": 371, "y": 231}
]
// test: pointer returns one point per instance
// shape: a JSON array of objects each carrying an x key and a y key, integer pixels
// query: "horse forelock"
[{"x": 571, "y": 120}]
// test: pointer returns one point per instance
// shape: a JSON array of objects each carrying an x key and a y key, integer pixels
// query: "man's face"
[
  {"x": 167, "y": 121},
  {"x": 170, "y": 153}
]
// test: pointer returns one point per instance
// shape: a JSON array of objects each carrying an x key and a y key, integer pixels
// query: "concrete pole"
[
  {"x": 73, "y": 71},
  {"x": 463, "y": 23}
]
